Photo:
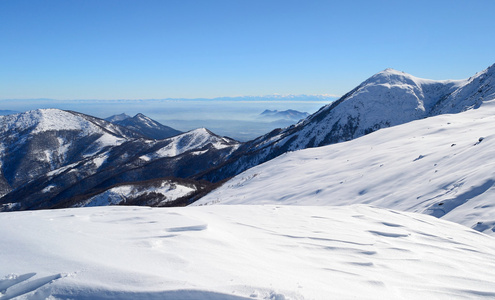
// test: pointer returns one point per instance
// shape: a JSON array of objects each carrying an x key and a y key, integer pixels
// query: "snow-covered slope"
[
  {"x": 442, "y": 166},
  {"x": 241, "y": 252},
  {"x": 386, "y": 99}
]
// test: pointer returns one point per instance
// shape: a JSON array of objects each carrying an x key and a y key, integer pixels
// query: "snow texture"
[{"x": 241, "y": 252}]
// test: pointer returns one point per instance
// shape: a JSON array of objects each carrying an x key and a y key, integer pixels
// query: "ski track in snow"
[{"x": 241, "y": 252}]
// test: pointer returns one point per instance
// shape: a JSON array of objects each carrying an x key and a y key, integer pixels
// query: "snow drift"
[{"x": 241, "y": 252}]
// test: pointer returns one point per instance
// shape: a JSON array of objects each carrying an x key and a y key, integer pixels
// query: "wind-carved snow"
[
  {"x": 442, "y": 166},
  {"x": 241, "y": 252}
]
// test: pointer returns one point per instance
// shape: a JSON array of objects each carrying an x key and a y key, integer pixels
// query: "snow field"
[{"x": 242, "y": 252}]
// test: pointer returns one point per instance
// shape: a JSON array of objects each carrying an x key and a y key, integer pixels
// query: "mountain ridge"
[
  {"x": 56, "y": 156},
  {"x": 388, "y": 98}
]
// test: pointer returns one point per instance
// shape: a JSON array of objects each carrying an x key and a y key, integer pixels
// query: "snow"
[
  {"x": 49, "y": 188},
  {"x": 145, "y": 157},
  {"x": 46, "y": 120},
  {"x": 61, "y": 170},
  {"x": 146, "y": 121},
  {"x": 110, "y": 140},
  {"x": 99, "y": 160},
  {"x": 388, "y": 98},
  {"x": 241, "y": 252},
  {"x": 435, "y": 166}
]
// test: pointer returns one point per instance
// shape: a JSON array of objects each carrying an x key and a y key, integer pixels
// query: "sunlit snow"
[
  {"x": 241, "y": 252},
  {"x": 442, "y": 166}
]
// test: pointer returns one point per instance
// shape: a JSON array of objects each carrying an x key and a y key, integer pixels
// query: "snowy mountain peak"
[
  {"x": 386, "y": 99},
  {"x": 392, "y": 72},
  {"x": 140, "y": 116},
  {"x": 391, "y": 77},
  {"x": 145, "y": 126},
  {"x": 200, "y": 139},
  {"x": 201, "y": 131},
  {"x": 205, "y": 136}
]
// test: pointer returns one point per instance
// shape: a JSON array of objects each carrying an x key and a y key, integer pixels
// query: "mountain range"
[
  {"x": 388, "y": 98},
  {"x": 290, "y": 115},
  {"x": 52, "y": 158}
]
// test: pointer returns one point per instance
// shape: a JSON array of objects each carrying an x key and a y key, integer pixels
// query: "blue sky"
[{"x": 189, "y": 49}]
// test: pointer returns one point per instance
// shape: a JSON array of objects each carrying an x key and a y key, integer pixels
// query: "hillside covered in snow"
[{"x": 441, "y": 166}]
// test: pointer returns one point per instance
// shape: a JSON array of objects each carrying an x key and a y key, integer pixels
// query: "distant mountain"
[
  {"x": 290, "y": 114},
  {"x": 53, "y": 158},
  {"x": 116, "y": 118},
  {"x": 39, "y": 141},
  {"x": 7, "y": 112},
  {"x": 144, "y": 125},
  {"x": 386, "y": 99},
  {"x": 275, "y": 97}
]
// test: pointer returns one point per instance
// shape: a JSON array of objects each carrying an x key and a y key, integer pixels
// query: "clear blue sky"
[{"x": 118, "y": 49}]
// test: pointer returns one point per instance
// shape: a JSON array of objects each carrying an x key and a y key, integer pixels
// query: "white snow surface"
[
  {"x": 241, "y": 252},
  {"x": 120, "y": 194},
  {"x": 436, "y": 166}
]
